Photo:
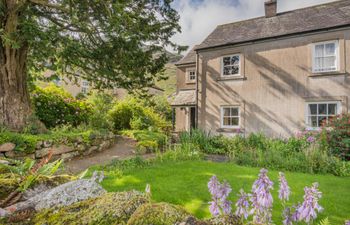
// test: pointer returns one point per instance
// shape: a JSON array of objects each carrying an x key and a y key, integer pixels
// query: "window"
[
  {"x": 57, "y": 81},
  {"x": 230, "y": 117},
  {"x": 231, "y": 65},
  {"x": 325, "y": 57},
  {"x": 84, "y": 87},
  {"x": 319, "y": 113},
  {"x": 191, "y": 75}
]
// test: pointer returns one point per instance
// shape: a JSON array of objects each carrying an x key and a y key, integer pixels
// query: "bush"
[
  {"x": 101, "y": 104},
  {"x": 257, "y": 150},
  {"x": 53, "y": 106},
  {"x": 132, "y": 114},
  {"x": 150, "y": 140},
  {"x": 337, "y": 136}
]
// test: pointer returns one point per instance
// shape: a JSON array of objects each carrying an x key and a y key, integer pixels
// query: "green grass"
[
  {"x": 168, "y": 85},
  {"x": 185, "y": 183}
]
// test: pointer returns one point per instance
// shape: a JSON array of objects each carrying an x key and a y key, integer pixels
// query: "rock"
[
  {"x": 79, "y": 140},
  {"x": 90, "y": 150},
  {"x": 81, "y": 147},
  {"x": 47, "y": 143},
  {"x": 7, "y": 147},
  {"x": 18, "y": 155},
  {"x": 4, "y": 162},
  {"x": 70, "y": 155},
  {"x": 225, "y": 220},
  {"x": 193, "y": 221},
  {"x": 110, "y": 208},
  {"x": 62, "y": 195},
  {"x": 38, "y": 145},
  {"x": 158, "y": 214},
  {"x": 3, "y": 212},
  {"x": 42, "y": 152},
  {"x": 104, "y": 145}
]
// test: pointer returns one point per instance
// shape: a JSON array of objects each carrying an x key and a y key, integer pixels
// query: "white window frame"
[
  {"x": 307, "y": 115},
  {"x": 239, "y": 65},
  {"x": 188, "y": 75},
  {"x": 337, "y": 55},
  {"x": 85, "y": 86},
  {"x": 222, "y": 117}
]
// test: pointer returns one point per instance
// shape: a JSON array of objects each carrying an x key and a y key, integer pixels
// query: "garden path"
[{"x": 123, "y": 149}]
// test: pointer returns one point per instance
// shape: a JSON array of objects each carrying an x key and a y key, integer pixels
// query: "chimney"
[{"x": 270, "y": 8}]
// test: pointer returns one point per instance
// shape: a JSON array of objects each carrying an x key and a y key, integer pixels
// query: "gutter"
[{"x": 280, "y": 37}]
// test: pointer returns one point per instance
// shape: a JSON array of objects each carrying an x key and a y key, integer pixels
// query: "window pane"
[
  {"x": 226, "y": 111},
  {"x": 319, "y": 49},
  {"x": 234, "y": 111},
  {"x": 329, "y": 63},
  {"x": 332, "y": 109},
  {"x": 234, "y": 70},
  {"x": 234, "y": 121},
  {"x": 226, "y": 121},
  {"x": 226, "y": 61},
  {"x": 312, "y": 121},
  {"x": 330, "y": 49},
  {"x": 235, "y": 60},
  {"x": 227, "y": 71},
  {"x": 312, "y": 109},
  {"x": 322, "y": 109},
  {"x": 322, "y": 120}
]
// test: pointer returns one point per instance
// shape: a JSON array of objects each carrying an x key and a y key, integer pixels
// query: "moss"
[
  {"x": 225, "y": 220},
  {"x": 8, "y": 183},
  {"x": 111, "y": 208},
  {"x": 158, "y": 214}
]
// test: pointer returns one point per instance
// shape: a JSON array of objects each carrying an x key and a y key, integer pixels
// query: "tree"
[{"x": 110, "y": 43}]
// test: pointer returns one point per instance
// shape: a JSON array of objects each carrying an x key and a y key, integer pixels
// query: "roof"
[
  {"x": 325, "y": 16},
  {"x": 184, "y": 98},
  {"x": 189, "y": 58}
]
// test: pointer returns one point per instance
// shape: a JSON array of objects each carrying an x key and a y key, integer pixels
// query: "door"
[{"x": 193, "y": 118}]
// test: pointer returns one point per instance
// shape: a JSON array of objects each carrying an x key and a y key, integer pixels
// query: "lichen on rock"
[
  {"x": 108, "y": 209},
  {"x": 158, "y": 214}
]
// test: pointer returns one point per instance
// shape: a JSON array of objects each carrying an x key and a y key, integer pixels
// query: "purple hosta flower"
[
  {"x": 296, "y": 214},
  {"x": 284, "y": 191},
  {"x": 219, "y": 193},
  {"x": 242, "y": 205},
  {"x": 311, "y": 139},
  {"x": 287, "y": 216},
  {"x": 261, "y": 198},
  {"x": 310, "y": 207},
  {"x": 347, "y": 222}
]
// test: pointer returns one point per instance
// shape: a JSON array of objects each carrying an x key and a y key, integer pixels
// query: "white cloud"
[{"x": 199, "y": 19}]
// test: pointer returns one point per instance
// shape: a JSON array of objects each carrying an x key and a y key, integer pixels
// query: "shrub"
[
  {"x": 150, "y": 140},
  {"x": 337, "y": 136},
  {"x": 101, "y": 103},
  {"x": 53, "y": 106},
  {"x": 132, "y": 114}
]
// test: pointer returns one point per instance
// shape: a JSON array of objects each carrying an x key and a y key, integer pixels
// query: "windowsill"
[
  {"x": 190, "y": 82},
  {"x": 332, "y": 73},
  {"x": 227, "y": 78},
  {"x": 230, "y": 130}
]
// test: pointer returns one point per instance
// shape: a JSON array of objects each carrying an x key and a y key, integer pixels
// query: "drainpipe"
[{"x": 197, "y": 76}]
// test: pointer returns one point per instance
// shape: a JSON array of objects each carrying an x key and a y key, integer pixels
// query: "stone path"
[{"x": 123, "y": 149}]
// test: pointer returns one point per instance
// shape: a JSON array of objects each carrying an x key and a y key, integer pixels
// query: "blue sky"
[{"x": 200, "y": 17}]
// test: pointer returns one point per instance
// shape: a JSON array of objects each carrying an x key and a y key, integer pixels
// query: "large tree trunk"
[{"x": 14, "y": 97}]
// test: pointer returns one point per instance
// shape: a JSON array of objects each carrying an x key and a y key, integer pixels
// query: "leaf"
[{"x": 324, "y": 222}]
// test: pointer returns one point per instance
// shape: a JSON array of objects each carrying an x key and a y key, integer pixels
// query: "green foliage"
[
  {"x": 161, "y": 105},
  {"x": 151, "y": 140},
  {"x": 54, "y": 106},
  {"x": 337, "y": 136},
  {"x": 258, "y": 150},
  {"x": 132, "y": 113},
  {"x": 101, "y": 103},
  {"x": 64, "y": 134},
  {"x": 324, "y": 222},
  {"x": 110, "y": 208},
  {"x": 158, "y": 214}
]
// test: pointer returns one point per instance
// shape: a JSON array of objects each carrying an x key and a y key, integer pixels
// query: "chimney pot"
[{"x": 270, "y": 8}]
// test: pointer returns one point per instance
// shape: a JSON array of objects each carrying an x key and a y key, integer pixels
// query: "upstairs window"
[
  {"x": 319, "y": 113},
  {"x": 231, "y": 65},
  {"x": 325, "y": 57},
  {"x": 84, "y": 87},
  {"x": 230, "y": 117},
  {"x": 191, "y": 74}
]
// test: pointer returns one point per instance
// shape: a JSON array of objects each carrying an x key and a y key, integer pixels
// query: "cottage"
[{"x": 275, "y": 74}]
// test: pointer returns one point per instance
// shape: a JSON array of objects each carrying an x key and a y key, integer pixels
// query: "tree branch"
[{"x": 46, "y": 3}]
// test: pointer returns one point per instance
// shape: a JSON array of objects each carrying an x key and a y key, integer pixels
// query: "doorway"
[{"x": 192, "y": 118}]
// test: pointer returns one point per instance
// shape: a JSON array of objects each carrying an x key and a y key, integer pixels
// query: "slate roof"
[
  {"x": 189, "y": 58},
  {"x": 184, "y": 98},
  {"x": 325, "y": 16}
]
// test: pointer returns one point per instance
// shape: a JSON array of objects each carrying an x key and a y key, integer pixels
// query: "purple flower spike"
[
  {"x": 242, "y": 205},
  {"x": 219, "y": 193},
  {"x": 261, "y": 198},
  {"x": 347, "y": 222},
  {"x": 310, "y": 207},
  {"x": 284, "y": 191},
  {"x": 288, "y": 216}
]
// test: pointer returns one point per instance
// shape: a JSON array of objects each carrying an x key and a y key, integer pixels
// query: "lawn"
[{"x": 185, "y": 183}]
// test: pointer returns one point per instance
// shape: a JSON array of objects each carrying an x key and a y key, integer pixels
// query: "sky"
[{"x": 198, "y": 18}]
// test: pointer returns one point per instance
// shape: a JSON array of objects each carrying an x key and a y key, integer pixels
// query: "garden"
[{"x": 196, "y": 178}]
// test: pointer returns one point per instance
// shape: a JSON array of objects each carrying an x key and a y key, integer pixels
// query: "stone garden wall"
[{"x": 62, "y": 149}]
